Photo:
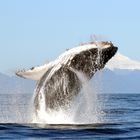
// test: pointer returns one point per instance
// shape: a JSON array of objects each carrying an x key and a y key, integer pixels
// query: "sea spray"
[
  {"x": 84, "y": 108},
  {"x": 61, "y": 116},
  {"x": 87, "y": 108}
]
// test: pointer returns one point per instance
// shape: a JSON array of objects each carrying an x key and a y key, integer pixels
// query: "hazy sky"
[{"x": 33, "y": 32}]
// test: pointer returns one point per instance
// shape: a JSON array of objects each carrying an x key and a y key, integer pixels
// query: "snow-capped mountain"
[
  {"x": 120, "y": 75},
  {"x": 120, "y": 61}
]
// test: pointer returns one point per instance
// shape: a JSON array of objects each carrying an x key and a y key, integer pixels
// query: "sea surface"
[{"x": 121, "y": 120}]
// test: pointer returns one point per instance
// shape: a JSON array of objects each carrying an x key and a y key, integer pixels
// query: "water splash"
[
  {"x": 87, "y": 108},
  {"x": 84, "y": 109}
]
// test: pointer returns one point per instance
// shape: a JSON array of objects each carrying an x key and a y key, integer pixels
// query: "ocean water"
[{"x": 121, "y": 120}]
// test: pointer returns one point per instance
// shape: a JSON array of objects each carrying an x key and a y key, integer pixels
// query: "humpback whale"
[{"x": 57, "y": 81}]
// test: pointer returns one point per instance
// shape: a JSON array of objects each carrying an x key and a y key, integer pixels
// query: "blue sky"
[{"x": 33, "y": 32}]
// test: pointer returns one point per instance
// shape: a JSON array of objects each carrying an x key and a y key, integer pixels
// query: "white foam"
[{"x": 84, "y": 109}]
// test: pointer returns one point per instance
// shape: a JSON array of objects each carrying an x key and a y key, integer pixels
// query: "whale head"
[{"x": 91, "y": 57}]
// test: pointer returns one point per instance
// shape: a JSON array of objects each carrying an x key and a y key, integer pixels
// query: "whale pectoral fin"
[
  {"x": 34, "y": 73},
  {"x": 29, "y": 74}
]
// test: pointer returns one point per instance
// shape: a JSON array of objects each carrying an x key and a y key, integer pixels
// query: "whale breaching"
[{"x": 58, "y": 83}]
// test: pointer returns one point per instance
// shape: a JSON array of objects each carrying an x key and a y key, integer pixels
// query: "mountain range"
[
  {"x": 14, "y": 85},
  {"x": 120, "y": 75}
]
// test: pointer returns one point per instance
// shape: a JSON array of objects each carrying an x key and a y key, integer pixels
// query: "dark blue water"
[{"x": 121, "y": 122}]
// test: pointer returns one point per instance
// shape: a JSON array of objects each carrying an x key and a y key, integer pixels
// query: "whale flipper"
[{"x": 34, "y": 73}]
